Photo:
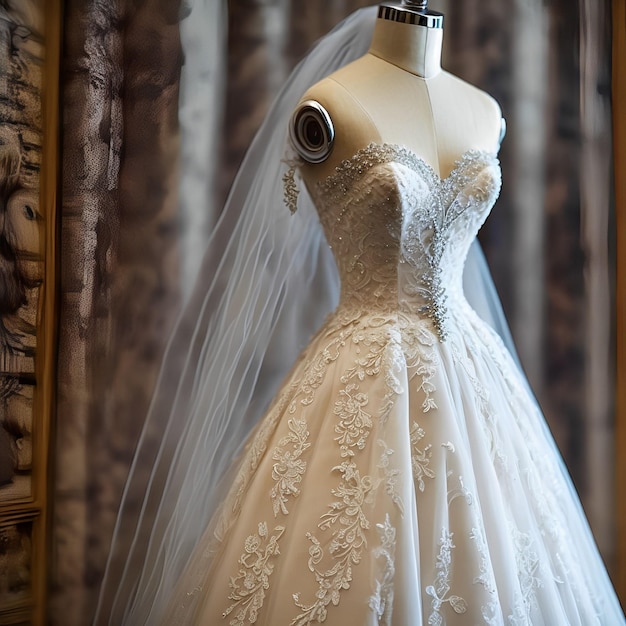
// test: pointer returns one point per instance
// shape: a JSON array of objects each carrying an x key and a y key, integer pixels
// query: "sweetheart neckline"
[{"x": 458, "y": 165}]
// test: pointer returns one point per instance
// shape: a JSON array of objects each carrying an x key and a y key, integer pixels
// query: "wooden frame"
[
  {"x": 31, "y": 141},
  {"x": 619, "y": 151},
  {"x": 46, "y": 370}
]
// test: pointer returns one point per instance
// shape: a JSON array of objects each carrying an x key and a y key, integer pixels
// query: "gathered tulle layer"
[{"x": 396, "y": 476}]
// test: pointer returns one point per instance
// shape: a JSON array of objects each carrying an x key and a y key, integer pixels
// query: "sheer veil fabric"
[{"x": 265, "y": 285}]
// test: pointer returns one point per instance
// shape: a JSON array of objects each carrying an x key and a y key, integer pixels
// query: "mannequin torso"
[{"x": 398, "y": 94}]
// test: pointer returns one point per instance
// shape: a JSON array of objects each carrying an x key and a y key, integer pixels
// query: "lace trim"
[{"x": 351, "y": 170}]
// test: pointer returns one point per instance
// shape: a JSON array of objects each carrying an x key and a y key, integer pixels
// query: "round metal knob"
[{"x": 312, "y": 132}]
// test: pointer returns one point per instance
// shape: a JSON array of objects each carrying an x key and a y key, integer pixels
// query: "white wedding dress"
[{"x": 403, "y": 474}]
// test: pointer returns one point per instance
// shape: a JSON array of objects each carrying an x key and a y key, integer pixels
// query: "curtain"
[{"x": 119, "y": 268}]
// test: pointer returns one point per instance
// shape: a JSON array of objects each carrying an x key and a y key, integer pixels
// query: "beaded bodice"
[{"x": 400, "y": 233}]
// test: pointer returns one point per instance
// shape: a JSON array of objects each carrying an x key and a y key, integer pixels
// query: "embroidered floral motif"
[
  {"x": 381, "y": 601},
  {"x": 420, "y": 459},
  {"x": 346, "y": 546},
  {"x": 355, "y": 423},
  {"x": 391, "y": 476},
  {"x": 490, "y": 611},
  {"x": 252, "y": 581},
  {"x": 527, "y": 568},
  {"x": 289, "y": 467},
  {"x": 418, "y": 345},
  {"x": 441, "y": 588}
]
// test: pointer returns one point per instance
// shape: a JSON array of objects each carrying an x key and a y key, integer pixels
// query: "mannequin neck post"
[{"x": 413, "y": 44}]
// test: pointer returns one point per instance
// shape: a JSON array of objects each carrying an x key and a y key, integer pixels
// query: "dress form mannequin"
[{"x": 397, "y": 93}]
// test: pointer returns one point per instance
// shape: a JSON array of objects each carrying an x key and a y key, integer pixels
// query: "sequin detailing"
[
  {"x": 423, "y": 227},
  {"x": 290, "y": 187}
]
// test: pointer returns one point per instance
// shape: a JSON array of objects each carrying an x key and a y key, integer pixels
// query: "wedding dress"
[{"x": 403, "y": 473}]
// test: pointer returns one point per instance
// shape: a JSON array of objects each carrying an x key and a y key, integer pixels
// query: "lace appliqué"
[
  {"x": 391, "y": 475},
  {"x": 252, "y": 581},
  {"x": 346, "y": 518},
  {"x": 346, "y": 545},
  {"x": 381, "y": 601},
  {"x": 420, "y": 459},
  {"x": 289, "y": 468},
  {"x": 527, "y": 567},
  {"x": 441, "y": 588},
  {"x": 491, "y": 611},
  {"x": 355, "y": 423},
  {"x": 418, "y": 344}
]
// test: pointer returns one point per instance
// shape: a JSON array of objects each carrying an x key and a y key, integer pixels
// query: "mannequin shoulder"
[
  {"x": 481, "y": 106},
  {"x": 329, "y": 120}
]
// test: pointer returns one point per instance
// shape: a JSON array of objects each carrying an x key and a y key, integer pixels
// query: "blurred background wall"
[{"x": 128, "y": 254}]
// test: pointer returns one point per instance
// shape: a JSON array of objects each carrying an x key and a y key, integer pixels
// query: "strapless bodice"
[{"x": 400, "y": 233}]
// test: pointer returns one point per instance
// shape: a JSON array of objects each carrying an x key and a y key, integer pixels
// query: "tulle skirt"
[{"x": 403, "y": 480}]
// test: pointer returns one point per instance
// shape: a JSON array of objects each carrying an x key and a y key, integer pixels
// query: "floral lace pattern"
[
  {"x": 289, "y": 467},
  {"x": 420, "y": 458},
  {"x": 440, "y": 589},
  {"x": 346, "y": 518},
  {"x": 381, "y": 601},
  {"x": 252, "y": 580}
]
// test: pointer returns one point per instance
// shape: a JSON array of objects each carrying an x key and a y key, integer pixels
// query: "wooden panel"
[
  {"x": 30, "y": 33},
  {"x": 619, "y": 150}
]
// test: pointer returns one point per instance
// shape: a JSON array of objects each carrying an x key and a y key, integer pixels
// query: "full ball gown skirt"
[{"x": 404, "y": 474}]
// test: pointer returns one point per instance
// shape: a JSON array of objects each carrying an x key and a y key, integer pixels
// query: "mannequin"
[{"x": 423, "y": 113}]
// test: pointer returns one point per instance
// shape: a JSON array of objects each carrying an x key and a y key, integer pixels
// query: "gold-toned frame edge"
[
  {"x": 619, "y": 154},
  {"x": 46, "y": 369}
]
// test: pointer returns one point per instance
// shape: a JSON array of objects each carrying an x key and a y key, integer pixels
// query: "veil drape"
[{"x": 265, "y": 285}]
